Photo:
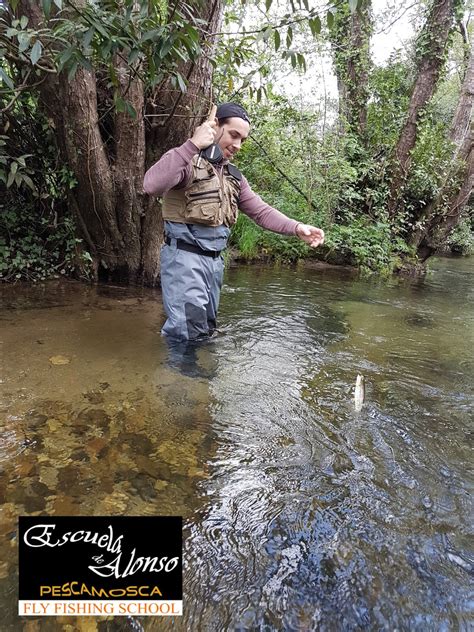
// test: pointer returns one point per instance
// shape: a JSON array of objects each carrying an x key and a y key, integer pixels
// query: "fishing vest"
[{"x": 211, "y": 197}]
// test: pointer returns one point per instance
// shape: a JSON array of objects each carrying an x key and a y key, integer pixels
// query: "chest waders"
[{"x": 197, "y": 227}]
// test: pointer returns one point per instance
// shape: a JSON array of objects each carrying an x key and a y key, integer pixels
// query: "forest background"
[{"x": 94, "y": 92}]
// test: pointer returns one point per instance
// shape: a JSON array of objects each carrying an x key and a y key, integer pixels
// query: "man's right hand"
[{"x": 204, "y": 135}]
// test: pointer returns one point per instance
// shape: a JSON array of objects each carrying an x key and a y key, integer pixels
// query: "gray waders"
[{"x": 191, "y": 282}]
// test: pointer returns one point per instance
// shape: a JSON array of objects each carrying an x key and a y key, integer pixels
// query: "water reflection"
[{"x": 300, "y": 513}]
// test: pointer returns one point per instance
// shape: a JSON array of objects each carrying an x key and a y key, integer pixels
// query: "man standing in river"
[{"x": 202, "y": 196}]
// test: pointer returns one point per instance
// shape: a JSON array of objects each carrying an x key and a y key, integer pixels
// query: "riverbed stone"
[
  {"x": 80, "y": 455},
  {"x": 35, "y": 419},
  {"x": 53, "y": 425},
  {"x": 63, "y": 505},
  {"x": 138, "y": 443},
  {"x": 144, "y": 486},
  {"x": 95, "y": 445},
  {"x": 31, "y": 625},
  {"x": 4, "y": 570},
  {"x": 92, "y": 417},
  {"x": 69, "y": 476},
  {"x": 25, "y": 466},
  {"x": 30, "y": 502},
  {"x": 8, "y": 518},
  {"x": 48, "y": 476},
  {"x": 59, "y": 360},
  {"x": 160, "y": 485},
  {"x": 152, "y": 467},
  {"x": 94, "y": 397},
  {"x": 113, "y": 504},
  {"x": 179, "y": 456}
]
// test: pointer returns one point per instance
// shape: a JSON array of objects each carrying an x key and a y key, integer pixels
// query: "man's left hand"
[{"x": 313, "y": 236}]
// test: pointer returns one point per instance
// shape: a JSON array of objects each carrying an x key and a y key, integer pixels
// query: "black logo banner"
[{"x": 117, "y": 565}]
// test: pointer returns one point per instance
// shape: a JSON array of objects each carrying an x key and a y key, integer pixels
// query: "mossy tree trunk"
[
  {"x": 432, "y": 46},
  {"x": 446, "y": 210},
  {"x": 350, "y": 39},
  {"x": 109, "y": 151}
]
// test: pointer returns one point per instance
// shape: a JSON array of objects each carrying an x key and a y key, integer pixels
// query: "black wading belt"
[{"x": 182, "y": 245}]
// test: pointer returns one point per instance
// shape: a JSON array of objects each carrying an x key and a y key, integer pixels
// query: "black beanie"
[{"x": 228, "y": 110}]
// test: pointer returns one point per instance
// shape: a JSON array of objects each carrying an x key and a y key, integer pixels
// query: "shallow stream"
[{"x": 300, "y": 513}]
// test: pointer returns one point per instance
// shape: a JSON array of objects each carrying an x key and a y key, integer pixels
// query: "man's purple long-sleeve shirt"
[{"x": 174, "y": 170}]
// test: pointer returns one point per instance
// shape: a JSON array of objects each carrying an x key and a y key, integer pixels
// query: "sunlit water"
[{"x": 300, "y": 513}]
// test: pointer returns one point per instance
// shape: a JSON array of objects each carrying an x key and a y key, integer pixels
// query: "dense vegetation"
[{"x": 79, "y": 82}]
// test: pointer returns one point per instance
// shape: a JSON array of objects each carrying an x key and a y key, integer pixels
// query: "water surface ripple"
[
  {"x": 318, "y": 517},
  {"x": 300, "y": 513}
]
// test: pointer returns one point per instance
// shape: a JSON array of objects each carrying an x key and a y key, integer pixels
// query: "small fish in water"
[{"x": 359, "y": 393}]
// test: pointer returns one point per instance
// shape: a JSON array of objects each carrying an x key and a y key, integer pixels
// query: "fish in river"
[{"x": 359, "y": 393}]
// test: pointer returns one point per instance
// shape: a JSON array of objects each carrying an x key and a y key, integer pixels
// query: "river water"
[{"x": 300, "y": 513}]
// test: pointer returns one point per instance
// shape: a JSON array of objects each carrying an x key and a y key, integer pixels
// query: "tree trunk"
[
  {"x": 120, "y": 227},
  {"x": 455, "y": 200},
  {"x": 171, "y": 117},
  {"x": 463, "y": 114},
  {"x": 350, "y": 37},
  {"x": 432, "y": 45},
  {"x": 446, "y": 209}
]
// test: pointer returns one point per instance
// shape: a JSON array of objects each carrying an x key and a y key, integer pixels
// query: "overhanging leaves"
[{"x": 35, "y": 53}]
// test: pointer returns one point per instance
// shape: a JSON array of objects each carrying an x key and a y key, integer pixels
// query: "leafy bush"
[
  {"x": 461, "y": 240},
  {"x": 37, "y": 232},
  {"x": 365, "y": 244}
]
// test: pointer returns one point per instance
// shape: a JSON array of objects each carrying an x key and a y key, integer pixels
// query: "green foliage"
[
  {"x": 461, "y": 240},
  {"x": 431, "y": 159},
  {"x": 38, "y": 238},
  {"x": 246, "y": 235},
  {"x": 390, "y": 88},
  {"x": 145, "y": 35},
  {"x": 366, "y": 244},
  {"x": 347, "y": 183},
  {"x": 32, "y": 248},
  {"x": 336, "y": 176}
]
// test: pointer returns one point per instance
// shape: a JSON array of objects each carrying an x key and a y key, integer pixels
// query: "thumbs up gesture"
[{"x": 205, "y": 134}]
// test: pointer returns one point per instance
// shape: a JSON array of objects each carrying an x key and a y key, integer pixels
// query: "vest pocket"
[
  {"x": 204, "y": 207},
  {"x": 208, "y": 213}
]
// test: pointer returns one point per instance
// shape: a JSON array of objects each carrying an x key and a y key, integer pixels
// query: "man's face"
[{"x": 232, "y": 134}]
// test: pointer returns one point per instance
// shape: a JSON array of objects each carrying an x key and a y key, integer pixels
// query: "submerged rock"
[
  {"x": 92, "y": 417},
  {"x": 419, "y": 320},
  {"x": 152, "y": 467},
  {"x": 94, "y": 397},
  {"x": 35, "y": 419},
  {"x": 59, "y": 360},
  {"x": 144, "y": 485},
  {"x": 136, "y": 442},
  {"x": 181, "y": 457}
]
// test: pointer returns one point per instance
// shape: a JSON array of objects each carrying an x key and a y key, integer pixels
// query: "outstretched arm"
[{"x": 268, "y": 217}]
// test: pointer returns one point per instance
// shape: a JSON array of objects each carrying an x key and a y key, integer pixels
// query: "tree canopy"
[{"x": 92, "y": 93}]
